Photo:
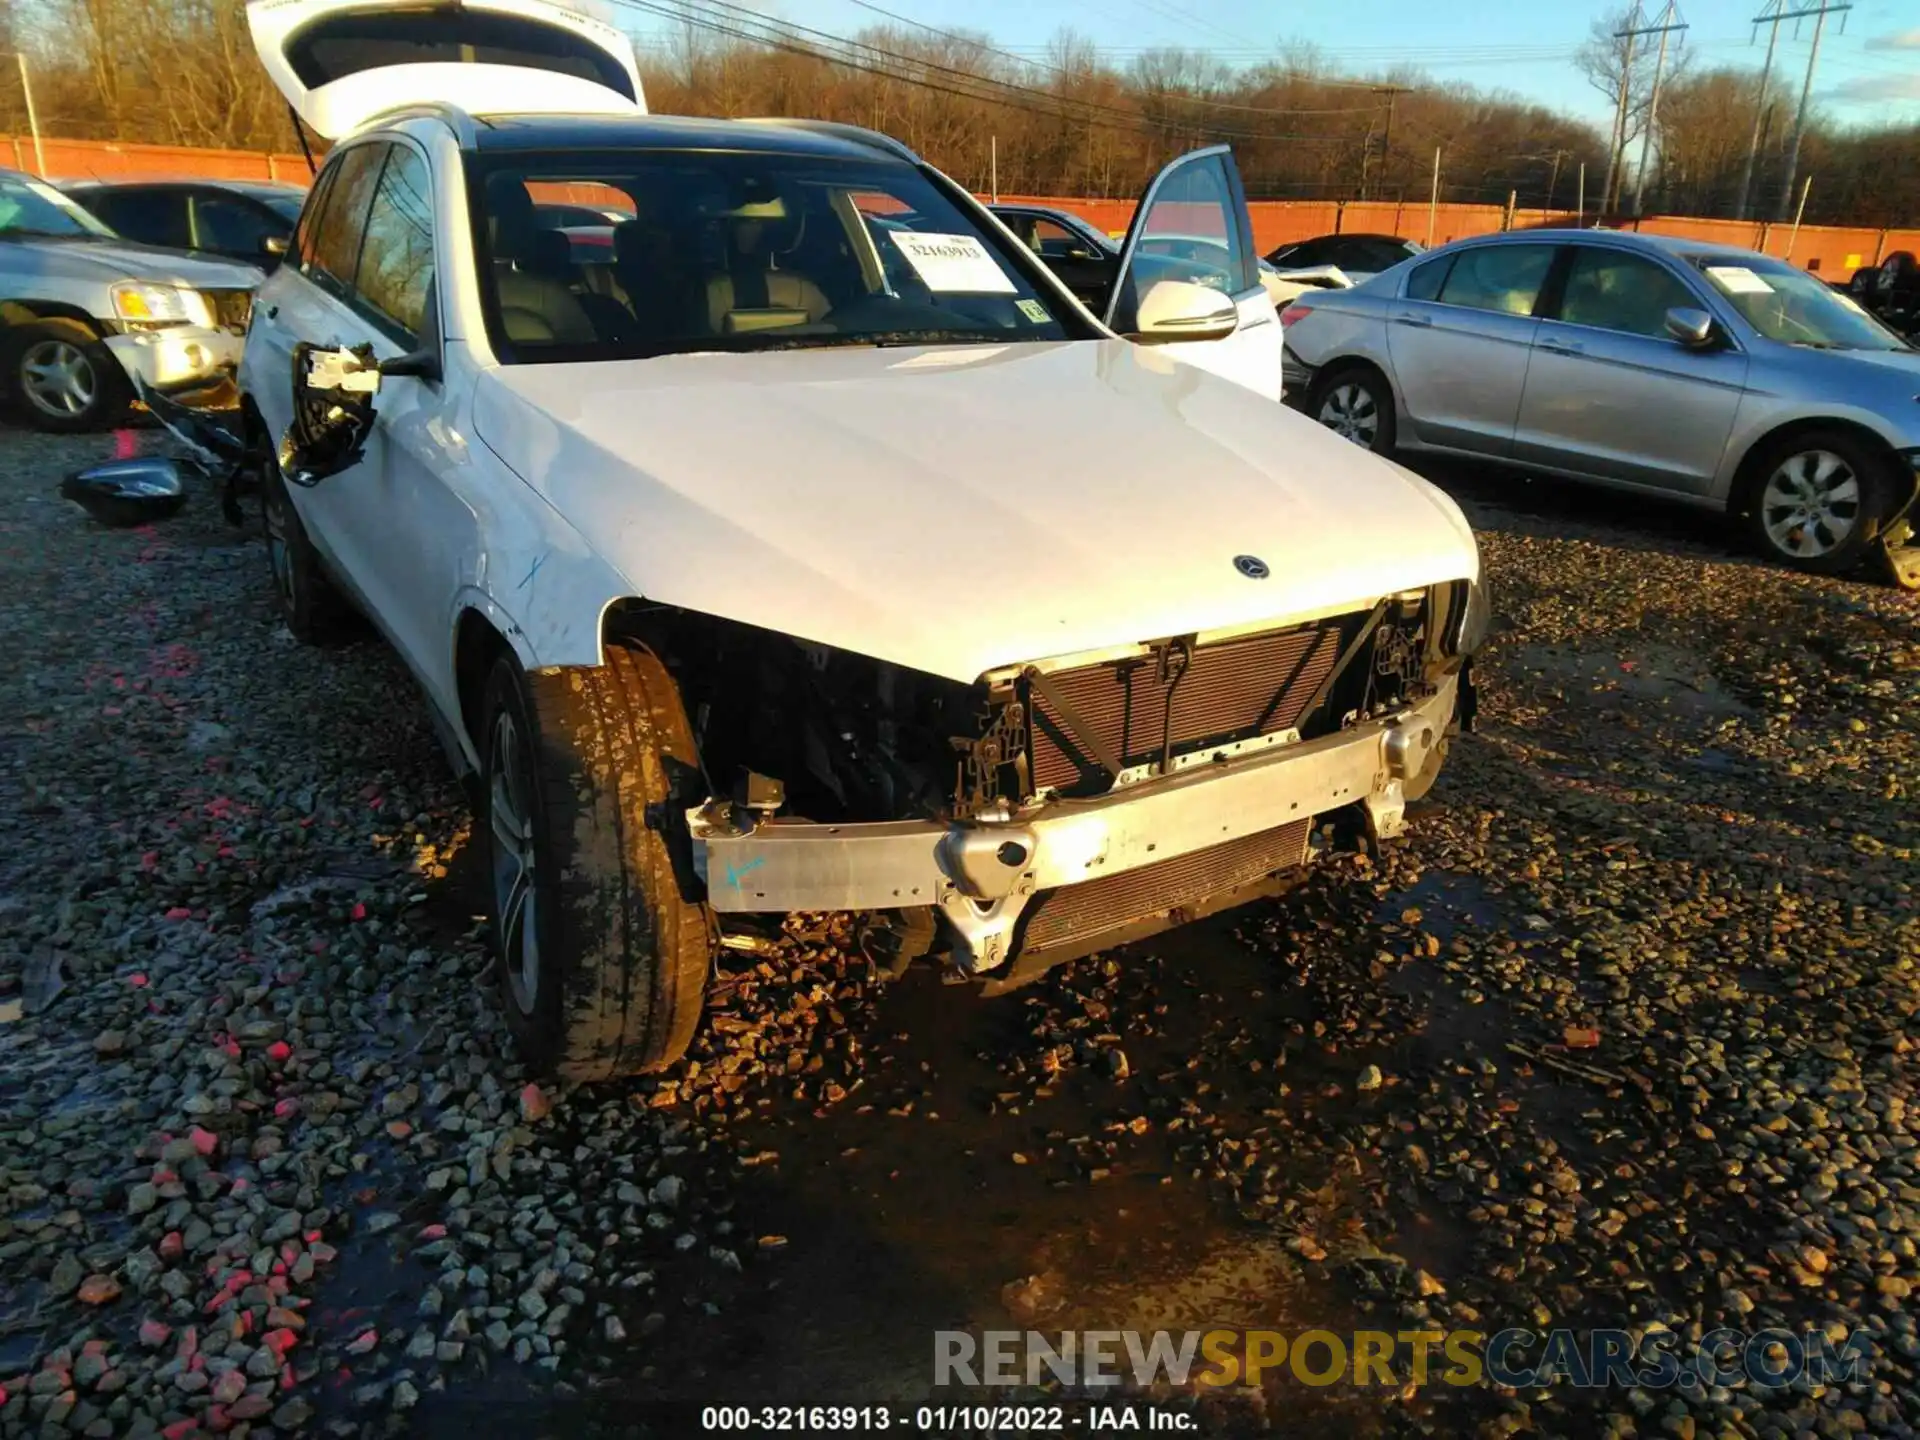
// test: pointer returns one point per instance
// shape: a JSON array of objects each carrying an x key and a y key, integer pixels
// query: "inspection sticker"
[
  {"x": 1033, "y": 310},
  {"x": 1738, "y": 280},
  {"x": 953, "y": 263}
]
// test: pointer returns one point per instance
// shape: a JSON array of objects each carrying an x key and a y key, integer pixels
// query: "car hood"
[
  {"x": 113, "y": 259},
  {"x": 958, "y": 509},
  {"x": 1901, "y": 362}
]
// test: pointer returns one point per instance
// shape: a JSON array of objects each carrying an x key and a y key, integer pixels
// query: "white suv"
[{"x": 801, "y": 544}]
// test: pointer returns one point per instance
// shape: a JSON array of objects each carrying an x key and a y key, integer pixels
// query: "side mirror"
[
  {"x": 127, "y": 492},
  {"x": 274, "y": 245},
  {"x": 1175, "y": 310},
  {"x": 1692, "y": 328}
]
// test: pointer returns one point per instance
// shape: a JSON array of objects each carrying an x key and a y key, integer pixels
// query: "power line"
[
  {"x": 962, "y": 39},
  {"x": 860, "y": 56}
]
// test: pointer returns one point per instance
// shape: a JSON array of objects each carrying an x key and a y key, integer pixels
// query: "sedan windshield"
[
  {"x": 30, "y": 207},
  {"x": 741, "y": 251},
  {"x": 1793, "y": 307}
]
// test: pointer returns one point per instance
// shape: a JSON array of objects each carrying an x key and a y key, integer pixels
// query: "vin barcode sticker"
[
  {"x": 1739, "y": 280},
  {"x": 953, "y": 264}
]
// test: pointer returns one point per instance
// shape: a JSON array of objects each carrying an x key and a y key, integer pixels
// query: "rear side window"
[
  {"x": 396, "y": 263},
  {"x": 307, "y": 226},
  {"x": 343, "y": 222},
  {"x": 1425, "y": 281},
  {"x": 1503, "y": 278},
  {"x": 339, "y": 45}
]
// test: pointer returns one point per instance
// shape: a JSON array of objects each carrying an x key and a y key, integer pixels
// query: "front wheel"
[
  {"x": 1356, "y": 403},
  {"x": 63, "y": 377},
  {"x": 1820, "y": 499},
  {"x": 316, "y": 613},
  {"x": 603, "y": 962}
]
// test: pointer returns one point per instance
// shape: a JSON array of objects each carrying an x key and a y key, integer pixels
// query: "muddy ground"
[{"x": 1620, "y": 1036}]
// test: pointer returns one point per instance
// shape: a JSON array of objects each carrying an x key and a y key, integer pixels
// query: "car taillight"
[{"x": 1293, "y": 314}]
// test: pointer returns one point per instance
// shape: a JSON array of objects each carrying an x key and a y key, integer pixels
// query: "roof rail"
[
  {"x": 856, "y": 134},
  {"x": 452, "y": 116}
]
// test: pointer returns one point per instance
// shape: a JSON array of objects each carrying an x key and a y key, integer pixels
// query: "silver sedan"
[{"x": 1664, "y": 366}]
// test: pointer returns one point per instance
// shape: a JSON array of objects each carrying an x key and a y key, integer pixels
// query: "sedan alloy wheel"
[
  {"x": 1351, "y": 412},
  {"x": 1811, "y": 504}
]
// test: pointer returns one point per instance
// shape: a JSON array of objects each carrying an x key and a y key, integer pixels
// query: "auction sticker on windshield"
[
  {"x": 1738, "y": 280},
  {"x": 953, "y": 264}
]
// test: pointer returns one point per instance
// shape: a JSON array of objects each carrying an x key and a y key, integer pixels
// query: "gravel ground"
[{"x": 1621, "y": 1036}]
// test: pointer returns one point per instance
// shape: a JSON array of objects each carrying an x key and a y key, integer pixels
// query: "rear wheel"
[
  {"x": 603, "y": 962},
  {"x": 1356, "y": 403},
  {"x": 63, "y": 377},
  {"x": 1819, "y": 500}
]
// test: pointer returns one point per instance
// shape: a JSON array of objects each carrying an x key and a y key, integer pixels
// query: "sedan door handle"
[
  {"x": 1413, "y": 317},
  {"x": 1564, "y": 347}
]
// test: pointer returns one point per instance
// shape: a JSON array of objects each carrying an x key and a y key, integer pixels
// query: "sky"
[{"x": 1868, "y": 73}]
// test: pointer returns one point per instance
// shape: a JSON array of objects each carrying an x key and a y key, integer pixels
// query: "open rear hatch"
[{"x": 341, "y": 62}]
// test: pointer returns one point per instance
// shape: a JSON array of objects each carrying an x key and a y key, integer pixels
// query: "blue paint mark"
[
  {"x": 737, "y": 873},
  {"x": 531, "y": 572}
]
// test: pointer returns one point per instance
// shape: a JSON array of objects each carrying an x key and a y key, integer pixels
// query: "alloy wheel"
[
  {"x": 57, "y": 378},
  {"x": 1350, "y": 411},
  {"x": 510, "y": 818},
  {"x": 1811, "y": 504}
]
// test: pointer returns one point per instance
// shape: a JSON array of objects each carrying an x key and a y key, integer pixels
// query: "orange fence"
[
  {"x": 1834, "y": 251},
  {"x": 111, "y": 160}
]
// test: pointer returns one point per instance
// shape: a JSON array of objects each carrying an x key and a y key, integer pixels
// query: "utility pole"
[
  {"x": 33, "y": 117},
  {"x": 1670, "y": 22},
  {"x": 1770, "y": 17},
  {"x": 1820, "y": 13},
  {"x": 1393, "y": 93},
  {"x": 1619, "y": 139}
]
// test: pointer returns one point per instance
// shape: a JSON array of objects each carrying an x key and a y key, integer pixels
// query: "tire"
[
  {"x": 603, "y": 963},
  {"x": 1818, "y": 501},
  {"x": 62, "y": 377},
  {"x": 1356, "y": 403},
  {"x": 310, "y": 604}
]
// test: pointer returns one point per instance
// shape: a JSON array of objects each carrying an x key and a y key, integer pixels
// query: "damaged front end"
[{"x": 1051, "y": 809}]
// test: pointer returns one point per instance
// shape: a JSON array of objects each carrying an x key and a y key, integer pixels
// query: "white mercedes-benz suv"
[{"x": 800, "y": 543}]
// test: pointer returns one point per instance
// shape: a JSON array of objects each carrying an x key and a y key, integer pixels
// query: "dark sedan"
[{"x": 244, "y": 219}]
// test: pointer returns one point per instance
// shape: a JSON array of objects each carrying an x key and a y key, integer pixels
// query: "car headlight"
[
  {"x": 1469, "y": 627},
  {"x": 141, "y": 304}
]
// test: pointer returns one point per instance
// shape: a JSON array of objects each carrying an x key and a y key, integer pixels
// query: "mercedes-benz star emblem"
[{"x": 1251, "y": 566}]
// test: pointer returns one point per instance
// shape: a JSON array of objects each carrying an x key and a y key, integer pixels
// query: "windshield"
[
  {"x": 741, "y": 251},
  {"x": 1793, "y": 307},
  {"x": 30, "y": 207}
]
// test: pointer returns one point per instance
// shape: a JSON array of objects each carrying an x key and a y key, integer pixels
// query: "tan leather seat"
[
  {"x": 536, "y": 306},
  {"x": 751, "y": 283}
]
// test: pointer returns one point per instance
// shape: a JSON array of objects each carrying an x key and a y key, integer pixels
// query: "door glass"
[
  {"x": 153, "y": 217},
  {"x": 1425, "y": 281},
  {"x": 1054, "y": 241},
  {"x": 1612, "y": 290},
  {"x": 234, "y": 226},
  {"x": 336, "y": 244},
  {"x": 1189, "y": 232},
  {"x": 396, "y": 265},
  {"x": 1306, "y": 255},
  {"x": 1506, "y": 278}
]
